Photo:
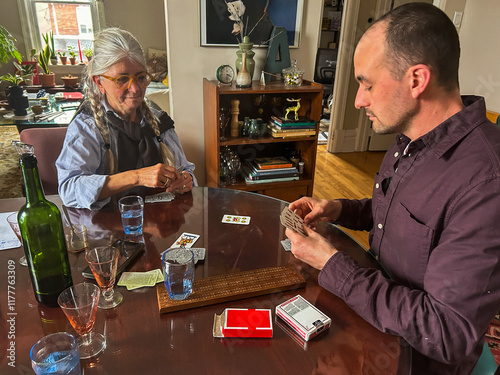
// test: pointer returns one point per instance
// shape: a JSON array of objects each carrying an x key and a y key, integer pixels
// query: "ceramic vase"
[
  {"x": 246, "y": 47},
  {"x": 243, "y": 79},
  {"x": 18, "y": 100}
]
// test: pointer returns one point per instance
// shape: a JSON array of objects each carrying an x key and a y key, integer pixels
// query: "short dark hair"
[{"x": 420, "y": 33}]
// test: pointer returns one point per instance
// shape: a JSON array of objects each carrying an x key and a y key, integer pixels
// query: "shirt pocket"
[{"x": 409, "y": 242}]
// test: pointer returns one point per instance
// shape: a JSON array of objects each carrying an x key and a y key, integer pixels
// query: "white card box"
[{"x": 303, "y": 317}]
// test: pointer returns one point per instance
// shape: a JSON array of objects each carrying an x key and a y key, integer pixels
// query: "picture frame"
[{"x": 216, "y": 27}]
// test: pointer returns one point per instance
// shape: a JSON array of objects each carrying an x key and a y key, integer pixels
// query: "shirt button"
[
  {"x": 377, "y": 185},
  {"x": 379, "y": 226},
  {"x": 396, "y": 154}
]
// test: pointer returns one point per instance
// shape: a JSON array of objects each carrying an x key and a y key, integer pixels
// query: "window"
[{"x": 72, "y": 22}]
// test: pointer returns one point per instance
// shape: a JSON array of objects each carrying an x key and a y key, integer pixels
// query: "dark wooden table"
[{"x": 142, "y": 341}]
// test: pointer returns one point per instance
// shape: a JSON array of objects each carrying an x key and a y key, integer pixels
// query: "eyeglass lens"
[{"x": 124, "y": 81}]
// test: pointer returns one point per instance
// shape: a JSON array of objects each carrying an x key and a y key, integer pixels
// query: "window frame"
[{"x": 29, "y": 23}]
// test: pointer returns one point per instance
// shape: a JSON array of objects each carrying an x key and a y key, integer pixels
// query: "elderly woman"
[{"x": 117, "y": 145}]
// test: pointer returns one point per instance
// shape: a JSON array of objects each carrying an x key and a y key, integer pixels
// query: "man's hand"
[
  {"x": 314, "y": 249},
  {"x": 314, "y": 210}
]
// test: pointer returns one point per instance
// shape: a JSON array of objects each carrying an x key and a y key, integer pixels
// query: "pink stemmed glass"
[
  {"x": 79, "y": 304},
  {"x": 103, "y": 262}
]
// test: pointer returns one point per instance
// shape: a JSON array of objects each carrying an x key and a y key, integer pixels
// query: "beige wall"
[
  {"x": 479, "y": 65},
  {"x": 189, "y": 63}
]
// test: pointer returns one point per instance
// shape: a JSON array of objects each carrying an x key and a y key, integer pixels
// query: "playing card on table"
[
  {"x": 292, "y": 221},
  {"x": 160, "y": 197},
  {"x": 186, "y": 240},
  {"x": 235, "y": 219}
]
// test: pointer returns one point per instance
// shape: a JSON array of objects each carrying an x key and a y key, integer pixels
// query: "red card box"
[{"x": 243, "y": 323}]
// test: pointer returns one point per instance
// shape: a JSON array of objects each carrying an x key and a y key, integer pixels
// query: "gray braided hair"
[{"x": 110, "y": 46}]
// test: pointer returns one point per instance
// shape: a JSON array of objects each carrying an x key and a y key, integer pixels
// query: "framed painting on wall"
[{"x": 258, "y": 17}]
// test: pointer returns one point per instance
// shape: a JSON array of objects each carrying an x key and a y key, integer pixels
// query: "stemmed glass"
[
  {"x": 103, "y": 262},
  {"x": 79, "y": 304},
  {"x": 234, "y": 165},
  {"x": 12, "y": 220},
  {"x": 223, "y": 121}
]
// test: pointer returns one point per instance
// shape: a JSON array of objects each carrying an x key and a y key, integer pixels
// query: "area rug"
[
  {"x": 10, "y": 172},
  {"x": 493, "y": 338}
]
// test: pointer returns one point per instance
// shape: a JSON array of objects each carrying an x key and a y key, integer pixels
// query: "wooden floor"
[{"x": 346, "y": 175}]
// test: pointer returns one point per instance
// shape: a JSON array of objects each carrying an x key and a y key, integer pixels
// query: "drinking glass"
[
  {"x": 79, "y": 304},
  {"x": 223, "y": 122},
  {"x": 132, "y": 212},
  {"x": 56, "y": 353},
  {"x": 103, "y": 262},
  {"x": 234, "y": 165},
  {"x": 12, "y": 220},
  {"x": 178, "y": 272}
]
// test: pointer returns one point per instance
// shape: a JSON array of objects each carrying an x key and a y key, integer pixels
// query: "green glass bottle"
[{"x": 43, "y": 234}]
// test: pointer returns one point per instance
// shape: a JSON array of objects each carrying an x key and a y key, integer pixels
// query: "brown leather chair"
[{"x": 47, "y": 143}]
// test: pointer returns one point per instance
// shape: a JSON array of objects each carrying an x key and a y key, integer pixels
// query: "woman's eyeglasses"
[{"x": 124, "y": 81}]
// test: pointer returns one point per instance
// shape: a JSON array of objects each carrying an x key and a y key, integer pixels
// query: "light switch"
[{"x": 457, "y": 19}]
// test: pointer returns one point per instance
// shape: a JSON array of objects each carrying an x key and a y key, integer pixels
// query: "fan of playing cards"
[{"x": 292, "y": 221}]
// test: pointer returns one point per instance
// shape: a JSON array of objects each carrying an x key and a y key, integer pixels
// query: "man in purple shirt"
[{"x": 435, "y": 211}]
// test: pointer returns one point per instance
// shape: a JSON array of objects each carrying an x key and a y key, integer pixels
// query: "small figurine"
[{"x": 293, "y": 109}]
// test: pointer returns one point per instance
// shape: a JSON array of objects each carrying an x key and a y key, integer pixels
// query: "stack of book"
[
  {"x": 281, "y": 128},
  {"x": 264, "y": 170}
]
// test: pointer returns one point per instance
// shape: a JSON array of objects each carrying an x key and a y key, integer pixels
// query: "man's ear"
[
  {"x": 419, "y": 76},
  {"x": 97, "y": 81}
]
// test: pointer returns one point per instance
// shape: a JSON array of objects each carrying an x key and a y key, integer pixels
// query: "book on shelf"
[
  {"x": 273, "y": 162},
  {"x": 300, "y": 121},
  {"x": 297, "y": 126},
  {"x": 266, "y": 176},
  {"x": 256, "y": 170},
  {"x": 277, "y": 132},
  {"x": 271, "y": 180}
]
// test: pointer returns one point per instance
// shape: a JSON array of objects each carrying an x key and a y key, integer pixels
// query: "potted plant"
[
  {"x": 72, "y": 55},
  {"x": 88, "y": 52},
  {"x": 18, "y": 100},
  {"x": 49, "y": 41},
  {"x": 70, "y": 81},
  {"x": 62, "y": 57},
  {"x": 47, "y": 79},
  {"x": 27, "y": 70}
]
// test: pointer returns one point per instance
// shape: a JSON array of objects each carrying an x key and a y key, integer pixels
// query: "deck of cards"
[
  {"x": 135, "y": 280},
  {"x": 292, "y": 221}
]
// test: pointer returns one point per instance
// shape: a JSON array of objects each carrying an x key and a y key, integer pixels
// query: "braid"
[{"x": 167, "y": 156}]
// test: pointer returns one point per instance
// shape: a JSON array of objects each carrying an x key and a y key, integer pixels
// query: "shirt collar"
[{"x": 444, "y": 136}]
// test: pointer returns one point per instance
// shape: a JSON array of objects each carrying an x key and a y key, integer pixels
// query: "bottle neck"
[{"x": 32, "y": 184}]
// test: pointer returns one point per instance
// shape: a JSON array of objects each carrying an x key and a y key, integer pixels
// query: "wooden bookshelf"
[{"x": 271, "y": 97}]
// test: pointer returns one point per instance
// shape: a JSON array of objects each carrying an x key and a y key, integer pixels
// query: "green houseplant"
[
  {"x": 47, "y": 79},
  {"x": 16, "y": 97},
  {"x": 49, "y": 41},
  {"x": 18, "y": 100},
  {"x": 72, "y": 55},
  {"x": 88, "y": 52},
  {"x": 27, "y": 70}
]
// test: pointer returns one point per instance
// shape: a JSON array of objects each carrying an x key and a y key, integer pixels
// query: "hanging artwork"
[{"x": 257, "y": 18}]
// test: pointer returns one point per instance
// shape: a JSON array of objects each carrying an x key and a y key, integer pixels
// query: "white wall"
[
  {"x": 189, "y": 63},
  {"x": 479, "y": 65}
]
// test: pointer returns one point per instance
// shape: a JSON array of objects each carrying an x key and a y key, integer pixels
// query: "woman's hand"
[
  {"x": 159, "y": 175},
  {"x": 182, "y": 184}
]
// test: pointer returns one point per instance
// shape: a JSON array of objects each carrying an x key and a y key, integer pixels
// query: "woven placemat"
[{"x": 233, "y": 286}]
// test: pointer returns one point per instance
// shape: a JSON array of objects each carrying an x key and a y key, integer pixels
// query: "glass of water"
[
  {"x": 132, "y": 212},
  {"x": 56, "y": 353},
  {"x": 178, "y": 272}
]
